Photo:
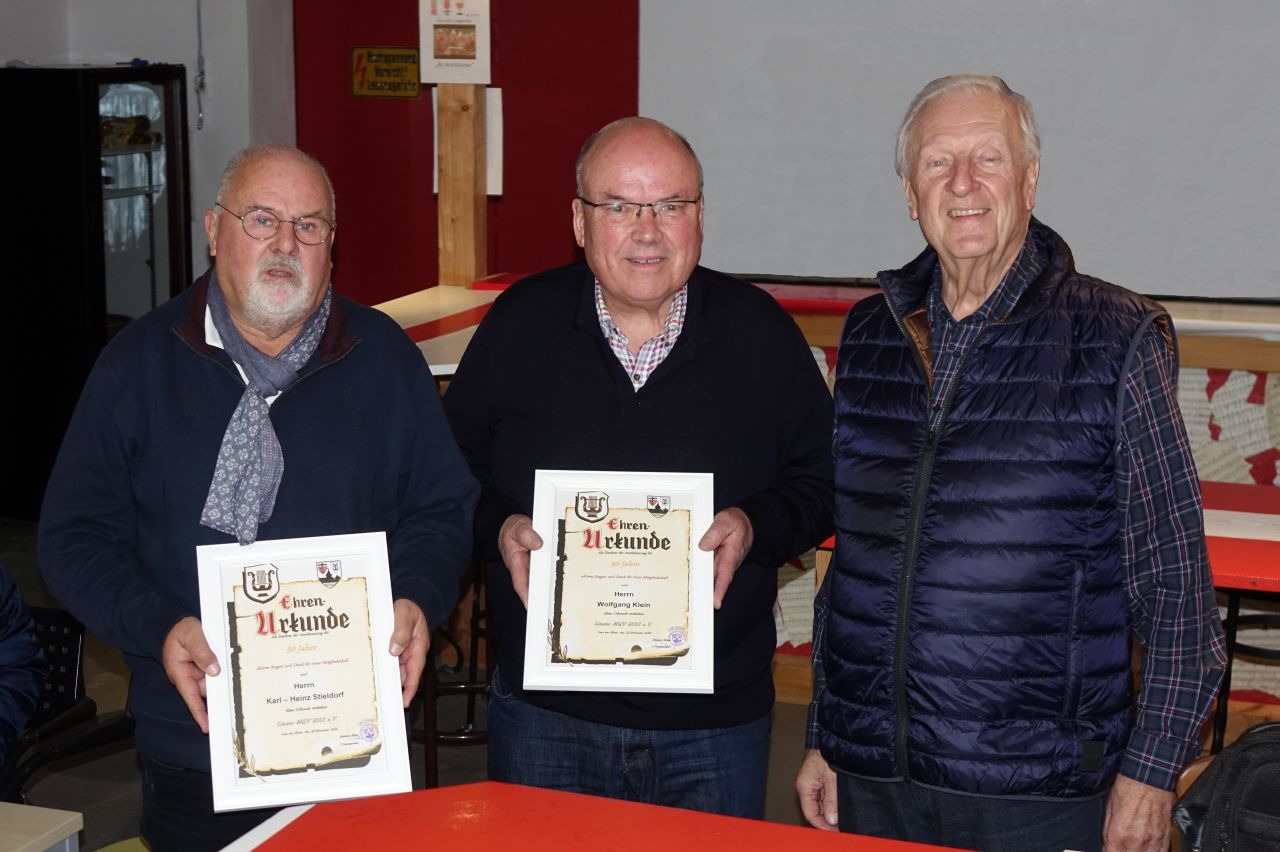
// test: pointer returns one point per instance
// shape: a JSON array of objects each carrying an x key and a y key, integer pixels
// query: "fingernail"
[
  {"x": 396, "y": 648},
  {"x": 213, "y": 670}
]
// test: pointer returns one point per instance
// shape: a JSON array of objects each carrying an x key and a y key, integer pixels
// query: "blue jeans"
[
  {"x": 177, "y": 810},
  {"x": 717, "y": 770},
  {"x": 903, "y": 811}
]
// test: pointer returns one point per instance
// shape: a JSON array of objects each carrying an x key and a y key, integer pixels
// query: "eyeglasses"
[
  {"x": 263, "y": 225},
  {"x": 671, "y": 212}
]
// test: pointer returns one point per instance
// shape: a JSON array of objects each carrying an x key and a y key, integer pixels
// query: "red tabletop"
[
  {"x": 1244, "y": 563},
  {"x": 446, "y": 324},
  {"x": 489, "y": 815}
]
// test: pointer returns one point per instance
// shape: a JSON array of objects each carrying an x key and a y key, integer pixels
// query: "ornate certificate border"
[
  {"x": 620, "y": 596},
  {"x": 307, "y": 706}
]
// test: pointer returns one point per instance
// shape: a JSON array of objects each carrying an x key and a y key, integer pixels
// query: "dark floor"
[{"x": 103, "y": 785}]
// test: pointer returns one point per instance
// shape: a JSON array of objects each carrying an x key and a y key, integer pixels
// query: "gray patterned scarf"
[{"x": 250, "y": 463}]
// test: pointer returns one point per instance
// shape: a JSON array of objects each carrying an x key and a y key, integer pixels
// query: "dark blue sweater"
[
  {"x": 739, "y": 396},
  {"x": 366, "y": 448}
]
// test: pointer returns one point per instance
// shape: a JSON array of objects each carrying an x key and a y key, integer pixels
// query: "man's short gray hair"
[
  {"x": 976, "y": 83},
  {"x": 623, "y": 124},
  {"x": 262, "y": 152}
]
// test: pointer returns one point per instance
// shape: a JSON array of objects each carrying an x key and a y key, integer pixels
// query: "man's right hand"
[
  {"x": 515, "y": 540},
  {"x": 187, "y": 658},
  {"x": 816, "y": 784}
]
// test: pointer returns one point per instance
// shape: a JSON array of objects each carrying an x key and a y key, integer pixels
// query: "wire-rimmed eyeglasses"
[
  {"x": 263, "y": 225},
  {"x": 671, "y": 211}
]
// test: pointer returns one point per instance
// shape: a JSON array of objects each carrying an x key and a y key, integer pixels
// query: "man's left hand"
[
  {"x": 730, "y": 537},
  {"x": 1138, "y": 817},
  {"x": 409, "y": 641}
]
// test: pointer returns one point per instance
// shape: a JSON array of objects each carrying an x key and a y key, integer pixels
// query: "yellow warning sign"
[{"x": 385, "y": 72}]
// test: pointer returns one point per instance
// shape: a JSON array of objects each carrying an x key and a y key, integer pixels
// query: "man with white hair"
[
  {"x": 256, "y": 404},
  {"x": 1015, "y": 498}
]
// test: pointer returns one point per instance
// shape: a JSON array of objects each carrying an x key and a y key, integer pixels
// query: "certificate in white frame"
[
  {"x": 307, "y": 705},
  {"x": 620, "y": 595}
]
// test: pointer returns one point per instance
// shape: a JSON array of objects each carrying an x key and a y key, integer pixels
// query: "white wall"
[
  {"x": 1158, "y": 120},
  {"x": 248, "y": 52},
  {"x": 33, "y": 31}
]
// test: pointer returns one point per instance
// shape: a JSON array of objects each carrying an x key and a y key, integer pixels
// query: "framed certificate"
[
  {"x": 620, "y": 596},
  {"x": 307, "y": 707}
]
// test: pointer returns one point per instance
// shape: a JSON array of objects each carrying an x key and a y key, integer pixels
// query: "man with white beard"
[{"x": 257, "y": 404}]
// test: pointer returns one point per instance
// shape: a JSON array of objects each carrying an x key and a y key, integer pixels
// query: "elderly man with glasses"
[
  {"x": 258, "y": 404},
  {"x": 641, "y": 360}
]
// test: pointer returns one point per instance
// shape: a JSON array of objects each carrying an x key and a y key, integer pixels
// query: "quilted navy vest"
[{"x": 978, "y": 638}]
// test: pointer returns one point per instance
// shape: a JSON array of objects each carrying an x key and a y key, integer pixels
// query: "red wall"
[{"x": 564, "y": 68}]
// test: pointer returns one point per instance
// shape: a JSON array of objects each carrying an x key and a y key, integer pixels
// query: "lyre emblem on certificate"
[
  {"x": 261, "y": 583},
  {"x": 591, "y": 506}
]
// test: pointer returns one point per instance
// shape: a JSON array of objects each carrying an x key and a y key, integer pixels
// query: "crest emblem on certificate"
[
  {"x": 261, "y": 582},
  {"x": 658, "y": 506},
  {"x": 329, "y": 572},
  {"x": 591, "y": 506}
]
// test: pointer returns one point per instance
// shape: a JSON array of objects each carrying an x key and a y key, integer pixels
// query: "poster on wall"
[{"x": 455, "y": 41}]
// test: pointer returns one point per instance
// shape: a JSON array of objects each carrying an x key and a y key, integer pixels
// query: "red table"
[
  {"x": 489, "y": 815},
  {"x": 1242, "y": 568}
]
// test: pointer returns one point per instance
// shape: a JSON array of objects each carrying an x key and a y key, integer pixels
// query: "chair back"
[{"x": 62, "y": 638}]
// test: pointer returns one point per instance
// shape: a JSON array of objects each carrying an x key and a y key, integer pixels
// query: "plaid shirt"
[
  {"x": 641, "y": 365},
  {"x": 1168, "y": 584}
]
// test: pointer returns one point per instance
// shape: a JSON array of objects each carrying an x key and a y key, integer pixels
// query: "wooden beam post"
[{"x": 463, "y": 231}]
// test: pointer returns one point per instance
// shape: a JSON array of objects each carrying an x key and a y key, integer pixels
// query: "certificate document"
[
  {"x": 307, "y": 706},
  {"x": 622, "y": 587},
  {"x": 620, "y": 594}
]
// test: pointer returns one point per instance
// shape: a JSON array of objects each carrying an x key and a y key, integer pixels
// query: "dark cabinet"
[{"x": 97, "y": 231}]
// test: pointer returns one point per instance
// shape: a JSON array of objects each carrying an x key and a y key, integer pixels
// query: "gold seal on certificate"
[
  {"x": 619, "y": 594},
  {"x": 307, "y": 706}
]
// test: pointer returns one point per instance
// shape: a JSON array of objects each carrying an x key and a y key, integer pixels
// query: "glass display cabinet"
[{"x": 97, "y": 231}]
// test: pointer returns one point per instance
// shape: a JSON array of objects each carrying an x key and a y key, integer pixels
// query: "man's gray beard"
[{"x": 263, "y": 308}]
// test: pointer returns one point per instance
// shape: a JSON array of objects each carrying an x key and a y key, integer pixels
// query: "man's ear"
[
  {"x": 211, "y": 230},
  {"x": 579, "y": 223},
  {"x": 911, "y": 199},
  {"x": 1029, "y": 189}
]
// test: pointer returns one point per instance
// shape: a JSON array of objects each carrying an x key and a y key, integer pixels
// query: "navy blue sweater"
[{"x": 366, "y": 448}]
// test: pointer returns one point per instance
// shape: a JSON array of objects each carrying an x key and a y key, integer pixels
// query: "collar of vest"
[{"x": 905, "y": 289}]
